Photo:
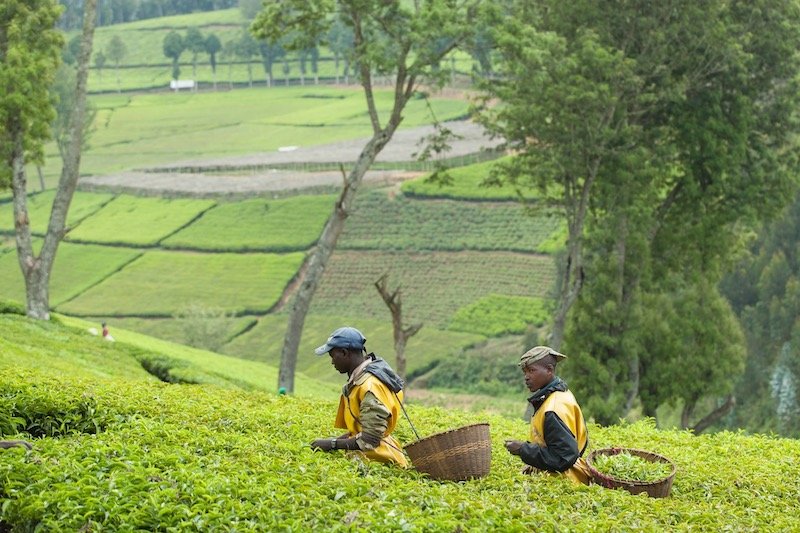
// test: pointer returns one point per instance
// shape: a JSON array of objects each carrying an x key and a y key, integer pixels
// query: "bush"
[
  {"x": 496, "y": 315},
  {"x": 11, "y": 307}
]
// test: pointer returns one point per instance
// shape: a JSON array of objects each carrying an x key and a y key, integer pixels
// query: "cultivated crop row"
[
  {"x": 434, "y": 284},
  {"x": 401, "y": 223}
]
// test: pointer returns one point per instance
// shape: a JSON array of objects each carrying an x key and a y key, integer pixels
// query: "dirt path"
[{"x": 249, "y": 175}]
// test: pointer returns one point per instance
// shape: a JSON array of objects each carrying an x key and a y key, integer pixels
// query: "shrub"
[{"x": 496, "y": 315}]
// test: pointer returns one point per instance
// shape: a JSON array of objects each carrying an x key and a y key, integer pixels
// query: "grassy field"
[
  {"x": 138, "y": 221},
  {"x": 143, "y": 130},
  {"x": 160, "y": 283},
  {"x": 265, "y": 225},
  {"x": 77, "y": 267},
  {"x": 40, "y": 205},
  {"x": 115, "y": 449},
  {"x": 396, "y": 222}
]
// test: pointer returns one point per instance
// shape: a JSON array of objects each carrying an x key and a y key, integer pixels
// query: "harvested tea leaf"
[{"x": 631, "y": 467}]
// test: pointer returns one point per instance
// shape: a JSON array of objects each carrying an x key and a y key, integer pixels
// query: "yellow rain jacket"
[
  {"x": 389, "y": 450},
  {"x": 561, "y": 445}
]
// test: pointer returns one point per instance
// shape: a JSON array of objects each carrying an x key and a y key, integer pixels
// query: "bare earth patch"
[{"x": 252, "y": 175}]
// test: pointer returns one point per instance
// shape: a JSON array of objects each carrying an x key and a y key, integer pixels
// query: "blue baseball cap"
[{"x": 346, "y": 337}]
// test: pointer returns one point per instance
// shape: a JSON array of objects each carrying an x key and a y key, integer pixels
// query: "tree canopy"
[{"x": 661, "y": 130}]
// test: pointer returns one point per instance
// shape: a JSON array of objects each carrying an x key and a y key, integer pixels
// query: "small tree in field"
[
  {"x": 212, "y": 47},
  {"x": 173, "y": 48},
  {"x": 391, "y": 39},
  {"x": 116, "y": 52},
  {"x": 196, "y": 44}
]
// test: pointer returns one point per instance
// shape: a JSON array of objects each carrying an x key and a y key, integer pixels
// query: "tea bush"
[
  {"x": 151, "y": 456},
  {"x": 497, "y": 314}
]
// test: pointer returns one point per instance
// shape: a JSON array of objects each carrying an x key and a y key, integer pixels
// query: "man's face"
[
  {"x": 537, "y": 376},
  {"x": 340, "y": 360}
]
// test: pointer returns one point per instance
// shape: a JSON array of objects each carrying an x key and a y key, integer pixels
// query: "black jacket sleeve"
[{"x": 561, "y": 451}]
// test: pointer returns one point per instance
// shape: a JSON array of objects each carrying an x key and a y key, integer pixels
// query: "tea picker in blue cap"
[{"x": 370, "y": 405}]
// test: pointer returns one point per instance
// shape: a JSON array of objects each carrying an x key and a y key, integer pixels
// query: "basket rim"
[
  {"x": 615, "y": 450},
  {"x": 469, "y": 426}
]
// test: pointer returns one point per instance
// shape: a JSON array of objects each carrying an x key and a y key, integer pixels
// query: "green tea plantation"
[{"x": 118, "y": 448}]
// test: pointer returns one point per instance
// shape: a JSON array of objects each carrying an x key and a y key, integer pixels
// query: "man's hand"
[
  {"x": 324, "y": 445},
  {"x": 513, "y": 446},
  {"x": 15, "y": 443}
]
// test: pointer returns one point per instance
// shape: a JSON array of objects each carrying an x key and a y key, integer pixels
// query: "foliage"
[
  {"x": 30, "y": 49},
  {"x": 202, "y": 457},
  {"x": 401, "y": 223},
  {"x": 495, "y": 315},
  {"x": 488, "y": 367},
  {"x": 12, "y": 307},
  {"x": 174, "y": 46},
  {"x": 434, "y": 284},
  {"x": 63, "y": 94},
  {"x": 159, "y": 283},
  {"x": 101, "y": 358},
  {"x": 660, "y": 159},
  {"x": 465, "y": 183},
  {"x": 204, "y": 327},
  {"x": 629, "y": 467},
  {"x": 138, "y": 221},
  {"x": 289, "y": 224},
  {"x": 764, "y": 289}
]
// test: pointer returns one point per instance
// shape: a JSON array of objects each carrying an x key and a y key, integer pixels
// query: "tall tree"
[
  {"x": 661, "y": 130},
  {"x": 99, "y": 63},
  {"x": 764, "y": 289},
  {"x": 270, "y": 52},
  {"x": 247, "y": 48},
  {"x": 212, "y": 47},
  {"x": 391, "y": 39},
  {"x": 43, "y": 44},
  {"x": 196, "y": 44},
  {"x": 173, "y": 47},
  {"x": 116, "y": 52},
  {"x": 340, "y": 42}
]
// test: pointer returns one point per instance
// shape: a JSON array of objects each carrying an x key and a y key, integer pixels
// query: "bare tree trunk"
[
  {"x": 401, "y": 335},
  {"x": 36, "y": 298},
  {"x": 36, "y": 270},
  {"x": 572, "y": 278},
  {"x": 715, "y": 415},
  {"x": 41, "y": 177},
  {"x": 320, "y": 256}
]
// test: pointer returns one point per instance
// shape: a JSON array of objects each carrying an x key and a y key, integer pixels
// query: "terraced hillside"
[{"x": 468, "y": 269}]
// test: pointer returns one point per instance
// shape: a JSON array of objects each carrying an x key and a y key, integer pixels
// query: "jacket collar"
[{"x": 538, "y": 397}]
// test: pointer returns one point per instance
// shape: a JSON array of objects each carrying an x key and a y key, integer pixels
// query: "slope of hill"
[{"x": 116, "y": 449}]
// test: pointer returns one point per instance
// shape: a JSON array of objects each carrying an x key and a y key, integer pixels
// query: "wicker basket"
[
  {"x": 454, "y": 455},
  {"x": 654, "y": 489}
]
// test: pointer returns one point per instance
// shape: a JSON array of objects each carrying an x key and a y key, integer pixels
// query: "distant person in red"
[{"x": 106, "y": 335}]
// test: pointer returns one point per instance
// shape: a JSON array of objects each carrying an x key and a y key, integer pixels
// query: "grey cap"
[
  {"x": 537, "y": 353},
  {"x": 346, "y": 337}
]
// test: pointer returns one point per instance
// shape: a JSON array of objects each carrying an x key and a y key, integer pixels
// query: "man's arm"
[
  {"x": 561, "y": 450},
  {"x": 374, "y": 420}
]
